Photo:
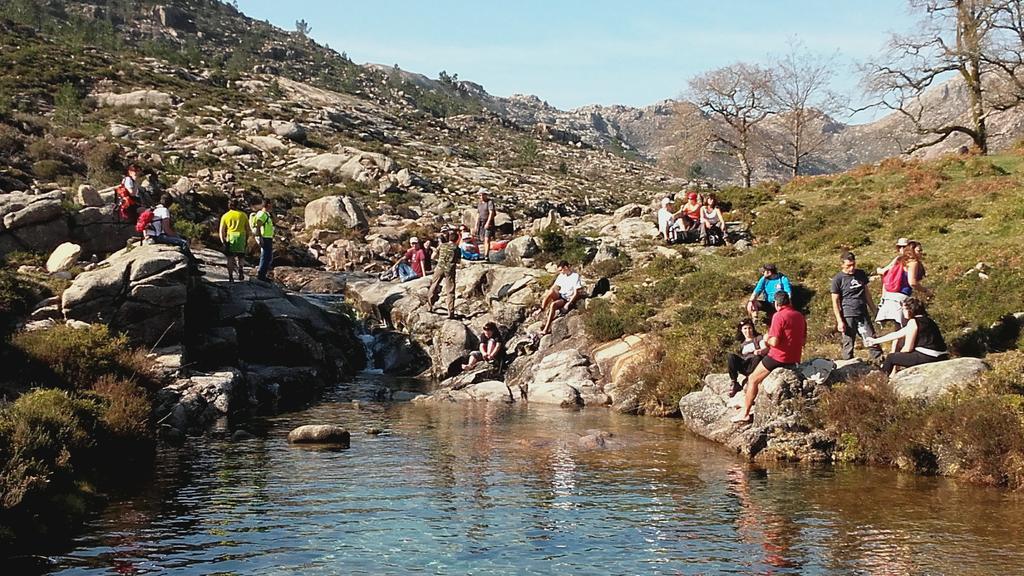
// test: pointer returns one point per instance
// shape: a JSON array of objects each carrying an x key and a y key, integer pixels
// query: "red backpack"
[
  {"x": 892, "y": 281},
  {"x": 145, "y": 220}
]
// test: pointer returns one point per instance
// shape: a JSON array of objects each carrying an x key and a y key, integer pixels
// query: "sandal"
[{"x": 741, "y": 419}]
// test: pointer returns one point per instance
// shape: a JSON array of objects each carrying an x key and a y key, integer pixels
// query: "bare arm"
[
  {"x": 909, "y": 331},
  {"x": 887, "y": 266},
  {"x": 838, "y": 313}
]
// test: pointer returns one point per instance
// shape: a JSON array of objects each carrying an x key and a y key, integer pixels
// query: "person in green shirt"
[
  {"x": 234, "y": 236},
  {"x": 262, "y": 224}
]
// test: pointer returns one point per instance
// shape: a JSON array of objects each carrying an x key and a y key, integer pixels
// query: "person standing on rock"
[
  {"x": 261, "y": 223},
  {"x": 485, "y": 214},
  {"x": 126, "y": 197},
  {"x": 234, "y": 236},
  {"x": 445, "y": 268},
  {"x": 566, "y": 291},
  {"x": 851, "y": 303},
  {"x": 785, "y": 341}
]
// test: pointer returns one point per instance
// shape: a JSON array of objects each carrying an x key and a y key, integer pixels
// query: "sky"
[{"x": 575, "y": 52}]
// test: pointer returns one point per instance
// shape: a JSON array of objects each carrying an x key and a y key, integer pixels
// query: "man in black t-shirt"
[{"x": 851, "y": 303}]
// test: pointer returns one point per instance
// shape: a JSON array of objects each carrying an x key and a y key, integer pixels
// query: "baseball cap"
[
  {"x": 666, "y": 201},
  {"x": 414, "y": 240},
  {"x": 692, "y": 196},
  {"x": 902, "y": 242}
]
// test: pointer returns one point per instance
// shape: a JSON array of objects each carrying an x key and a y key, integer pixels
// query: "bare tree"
[
  {"x": 803, "y": 101},
  {"x": 981, "y": 42},
  {"x": 737, "y": 98}
]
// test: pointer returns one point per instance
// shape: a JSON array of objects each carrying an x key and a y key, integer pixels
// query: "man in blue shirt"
[{"x": 771, "y": 281}]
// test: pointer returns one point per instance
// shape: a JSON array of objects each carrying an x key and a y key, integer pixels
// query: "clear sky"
[{"x": 577, "y": 52}]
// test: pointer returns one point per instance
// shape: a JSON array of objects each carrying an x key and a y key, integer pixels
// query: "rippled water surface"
[{"x": 488, "y": 489}]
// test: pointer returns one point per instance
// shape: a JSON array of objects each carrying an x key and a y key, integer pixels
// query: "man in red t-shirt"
[
  {"x": 785, "y": 340},
  {"x": 410, "y": 265}
]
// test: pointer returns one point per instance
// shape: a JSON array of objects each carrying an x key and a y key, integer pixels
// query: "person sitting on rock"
[
  {"x": 666, "y": 220},
  {"x": 785, "y": 342},
  {"x": 410, "y": 265},
  {"x": 712, "y": 224},
  {"x": 771, "y": 281},
  {"x": 160, "y": 229},
  {"x": 469, "y": 250},
  {"x": 445, "y": 268},
  {"x": 564, "y": 292},
  {"x": 492, "y": 349},
  {"x": 688, "y": 216},
  {"x": 922, "y": 340},
  {"x": 234, "y": 236},
  {"x": 752, "y": 348}
]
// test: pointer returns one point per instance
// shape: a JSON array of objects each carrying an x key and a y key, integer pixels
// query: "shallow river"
[{"x": 488, "y": 489}]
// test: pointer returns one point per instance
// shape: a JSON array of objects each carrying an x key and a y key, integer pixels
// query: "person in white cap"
[
  {"x": 410, "y": 265},
  {"x": 666, "y": 217}
]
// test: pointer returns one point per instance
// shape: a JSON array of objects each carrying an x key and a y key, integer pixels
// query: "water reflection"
[{"x": 494, "y": 489}]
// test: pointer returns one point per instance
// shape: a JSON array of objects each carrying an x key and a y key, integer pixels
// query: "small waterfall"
[{"x": 369, "y": 343}]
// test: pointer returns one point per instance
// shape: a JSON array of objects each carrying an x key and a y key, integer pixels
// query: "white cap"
[
  {"x": 902, "y": 242},
  {"x": 414, "y": 240},
  {"x": 666, "y": 201}
]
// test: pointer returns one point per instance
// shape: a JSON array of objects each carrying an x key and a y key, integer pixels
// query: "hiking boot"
[{"x": 735, "y": 388}]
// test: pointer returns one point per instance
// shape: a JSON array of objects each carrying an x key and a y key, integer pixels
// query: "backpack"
[
  {"x": 892, "y": 280},
  {"x": 145, "y": 220}
]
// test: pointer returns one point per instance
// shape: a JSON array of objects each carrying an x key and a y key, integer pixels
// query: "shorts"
[
  {"x": 484, "y": 232},
  {"x": 235, "y": 246},
  {"x": 771, "y": 363}
]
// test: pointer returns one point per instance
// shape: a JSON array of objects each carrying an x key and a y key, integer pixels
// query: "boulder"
[
  {"x": 560, "y": 378},
  {"x": 522, "y": 247},
  {"x": 779, "y": 428},
  {"x": 31, "y": 222},
  {"x": 398, "y": 354},
  {"x": 98, "y": 230},
  {"x": 354, "y": 165},
  {"x": 319, "y": 434},
  {"x": 333, "y": 210},
  {"x": 451, "y": 343},
  {"x": 136, "y": 99},
  {"x": 174, "y": 17},
  {"x": 141, "y": 292},
  {"x": 87, "y": 196},
  {"x": 485, "y": 391},
  {"x": 63, "y": 257},
  {"x": 291, "y": 130},
  {"x": 201, "y": 399},
  {"x": 928, "y": 382}
]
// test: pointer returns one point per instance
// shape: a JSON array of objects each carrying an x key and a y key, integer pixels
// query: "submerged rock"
[{"x": 319, "y": 434}]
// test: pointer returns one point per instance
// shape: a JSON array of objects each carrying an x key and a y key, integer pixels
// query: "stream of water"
[{"x": 494, "y": 489}]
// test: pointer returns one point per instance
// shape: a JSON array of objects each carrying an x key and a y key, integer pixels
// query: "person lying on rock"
[
  {"x": 771, "y": 281},
  {"x": 785, "y": 342},
  {"x": 564, "y": 292},
  {"x": 922, "y": 340},
  {"x": 410, "y": 265},
  {"x": 492, "y": 349},
  {"x": 752, "y": 349}
]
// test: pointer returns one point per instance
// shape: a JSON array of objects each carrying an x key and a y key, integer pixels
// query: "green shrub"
[
  {"x": 602, "y": 322},
  {"x": 67, "y": 106},
  {"x": 47, "y": 432},
  {"x": 127, "y": 409},
  {"x": 50, "y": 169},
  {"x": 608, "y": 268},
  {"x": 10, "y": 141},
  {"x": 43, "y": 149},
  {"x": 17, "y": 298},
  {"x": 104, "y": 162},
  {"x": 556, "y": 245},
  {"x": 74, "y": 359}
]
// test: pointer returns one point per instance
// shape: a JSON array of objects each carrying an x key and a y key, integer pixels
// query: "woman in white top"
[
  {"x": 752, "y": 349},
  {"x": 711, "y": 221},
  {"x": 666, "y": 216}
]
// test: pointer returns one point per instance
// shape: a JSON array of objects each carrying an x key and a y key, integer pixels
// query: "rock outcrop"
[
  {"x": 141, "y": 292},
  {"x": 31, "y": 222},
  {"x": 330, "y": 210},
  {"x": 928, "y": 382}
]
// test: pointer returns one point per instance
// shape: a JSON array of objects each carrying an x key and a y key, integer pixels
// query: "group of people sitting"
[
  {"x": 699, "y": 219},
  {"x": 916, "y": 340}
]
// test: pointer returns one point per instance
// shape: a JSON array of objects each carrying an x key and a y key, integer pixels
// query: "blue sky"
[{"x": 575, "y": 52}]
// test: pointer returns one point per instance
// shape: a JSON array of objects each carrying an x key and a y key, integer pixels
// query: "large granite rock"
[
  {"x": 136, "y": 99},
  {"x": 929, "y": 382},
  {"x": 780, "y": 428},
  {"x": 485, "y": 391},
  {"x": 63, "y": 257},
  {"x": 141, "y": 292},
  {"x": 450, "y": 346},
  {"x": 200, "y": 400},
  {"x": 328, "y": 210},
  {"x": 31, "y": 222},
  {"x": 98, "y": 230},
  {"x": 352, "y": 164}
]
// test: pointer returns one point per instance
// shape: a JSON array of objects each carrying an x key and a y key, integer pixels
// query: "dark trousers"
[
  {"x": 908, "y": 359},
  {"x": 741, "y": 364},
  {"x": 861, "y": 324},
  {"x": 440, "y": 274},
  {"x": 266, "y": 257}
]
